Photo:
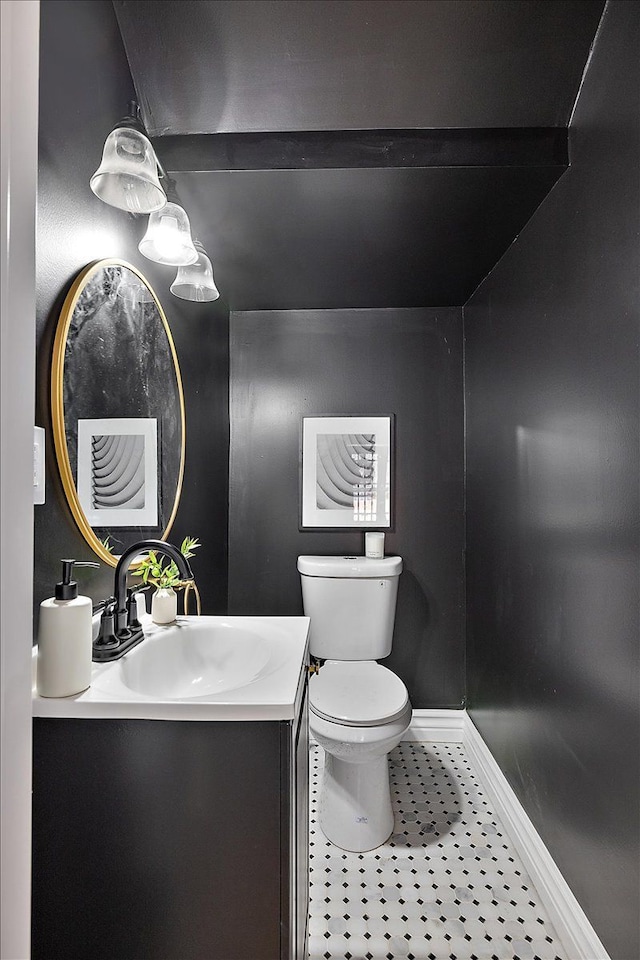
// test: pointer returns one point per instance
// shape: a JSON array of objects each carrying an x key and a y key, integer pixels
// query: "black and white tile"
[{"x": 447, "y": 885}]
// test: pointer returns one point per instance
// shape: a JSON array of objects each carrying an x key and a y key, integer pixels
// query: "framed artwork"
[
  {"x": 346, "y": 472},
  {"x": 118, "y": 471}
]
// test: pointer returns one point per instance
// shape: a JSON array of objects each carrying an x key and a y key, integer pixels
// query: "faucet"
[{"x": 119, "y": 628}]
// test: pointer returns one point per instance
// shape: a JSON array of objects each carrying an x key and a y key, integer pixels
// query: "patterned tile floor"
[{"x": 446, "y": 886}]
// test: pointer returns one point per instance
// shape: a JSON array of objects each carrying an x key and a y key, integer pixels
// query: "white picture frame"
[
  {"x": 346, "y": 473},
  {"x": 117, "y": 475}
]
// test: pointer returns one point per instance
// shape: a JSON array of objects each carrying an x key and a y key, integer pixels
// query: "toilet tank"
[{"x": 352, "y": 605}]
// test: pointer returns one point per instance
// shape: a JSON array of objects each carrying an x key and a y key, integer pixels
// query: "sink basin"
[
  {"x": 198, "y": 658},
  {"x": 198, "y": 668}
]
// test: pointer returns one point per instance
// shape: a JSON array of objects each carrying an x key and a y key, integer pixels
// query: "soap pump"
[{"x": 65, "y": 638}]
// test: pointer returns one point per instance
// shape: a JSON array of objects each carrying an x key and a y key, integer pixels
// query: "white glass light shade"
[
  {"x": 127, "y": 178},
  {"x": 195, "y": 281},
  {"x": 133, "y": 290},
  {"x": 168, "y": 237}
]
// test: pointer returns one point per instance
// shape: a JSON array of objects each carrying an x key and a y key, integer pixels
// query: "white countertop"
[{"x": 271, "y": 693}]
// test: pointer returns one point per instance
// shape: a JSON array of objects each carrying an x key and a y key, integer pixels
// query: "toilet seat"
[{"x": 357, "y": 693}]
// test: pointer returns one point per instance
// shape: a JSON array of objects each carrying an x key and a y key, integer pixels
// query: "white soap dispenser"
[{"x": 65, "y": 642}]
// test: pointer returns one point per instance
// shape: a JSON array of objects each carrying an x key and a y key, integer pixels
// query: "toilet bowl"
[{"x": 359, "y": 711}]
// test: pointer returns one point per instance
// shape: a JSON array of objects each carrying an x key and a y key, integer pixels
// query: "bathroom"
[{"x": 510, "y": 367}]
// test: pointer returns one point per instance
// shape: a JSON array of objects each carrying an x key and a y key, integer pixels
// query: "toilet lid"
[{"x": 357, "y": 693}]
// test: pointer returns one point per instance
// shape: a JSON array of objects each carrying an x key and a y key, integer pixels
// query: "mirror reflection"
[{"x": 118, "y": 409}]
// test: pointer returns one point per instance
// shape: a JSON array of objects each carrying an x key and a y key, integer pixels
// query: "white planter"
[{"x": 164, "y": 605}]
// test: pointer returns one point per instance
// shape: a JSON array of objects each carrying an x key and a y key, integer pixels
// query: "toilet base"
[{"x": 355, "y": 803}]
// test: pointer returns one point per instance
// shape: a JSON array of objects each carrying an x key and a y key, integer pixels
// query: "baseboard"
[
  {"x": 437, "y": 726},
  {"x": 571, "y": 923}
]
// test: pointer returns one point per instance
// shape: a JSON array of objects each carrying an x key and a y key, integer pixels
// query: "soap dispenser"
[{"x": 65, "y": 638}]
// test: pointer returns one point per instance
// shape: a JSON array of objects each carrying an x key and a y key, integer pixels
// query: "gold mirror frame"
[{"x": 57, "y": 404}]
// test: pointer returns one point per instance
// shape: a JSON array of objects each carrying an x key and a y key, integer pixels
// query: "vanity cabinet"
[{"x": 171, "y": 839}]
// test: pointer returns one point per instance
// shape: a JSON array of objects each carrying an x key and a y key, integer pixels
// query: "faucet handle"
[
  {"x": 107, "y": 633},
  {"x": 132, "y": 609}
]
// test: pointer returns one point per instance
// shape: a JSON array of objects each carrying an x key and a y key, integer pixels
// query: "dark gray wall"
[
  {"x": 85, "y": 86},
  {"x": 290, "y": 364},
  {"x": 552, "y": 503}
]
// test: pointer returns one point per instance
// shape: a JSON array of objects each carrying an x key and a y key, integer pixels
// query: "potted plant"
[{"x": 164, "y": 575}]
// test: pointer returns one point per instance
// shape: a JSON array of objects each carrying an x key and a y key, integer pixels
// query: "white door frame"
[{"x": 19, "y": 30}]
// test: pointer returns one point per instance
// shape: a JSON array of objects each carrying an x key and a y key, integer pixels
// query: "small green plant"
[
  {"x": 106, "y": 543},
  {"x": 162, "y": 572}
]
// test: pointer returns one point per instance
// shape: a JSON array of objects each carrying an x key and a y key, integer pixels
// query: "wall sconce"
[
  {"x": 127, "y": 177},
  {"x": 133, "y": 290},
  {"x": 195, "y": 281}
]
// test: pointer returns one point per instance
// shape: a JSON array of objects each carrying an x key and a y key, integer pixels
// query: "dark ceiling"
[
  {"x": 358, "y": 238},
  {"x": 419, "y": 226}
]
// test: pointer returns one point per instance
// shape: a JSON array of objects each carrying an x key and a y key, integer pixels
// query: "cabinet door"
[{"x": 156, "y": 840}]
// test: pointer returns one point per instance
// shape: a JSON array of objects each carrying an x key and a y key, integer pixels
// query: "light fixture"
[
  {"x": 168, "y": 237},
  {"x": 127, "y": 177},
  {"x": 132, "y": 290},
  {"x": 195, "y": 281},
  {"x": 132, "y": 178}
]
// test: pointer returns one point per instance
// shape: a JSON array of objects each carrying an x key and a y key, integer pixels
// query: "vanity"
[{"x": 171, "y": 799}]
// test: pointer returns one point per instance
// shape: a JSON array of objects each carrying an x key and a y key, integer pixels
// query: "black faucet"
[{"x": 120, "y": 631}]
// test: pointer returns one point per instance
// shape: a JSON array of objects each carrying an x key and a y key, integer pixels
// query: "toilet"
[{"x": 358, "y": 709}]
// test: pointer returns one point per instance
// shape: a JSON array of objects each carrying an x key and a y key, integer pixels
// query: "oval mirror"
[{"x": 117, "y": 409}]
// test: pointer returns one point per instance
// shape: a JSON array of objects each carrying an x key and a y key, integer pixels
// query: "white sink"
[
  {"x": 198, "y": 668},
  {"x": 198, "y": 658}
]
